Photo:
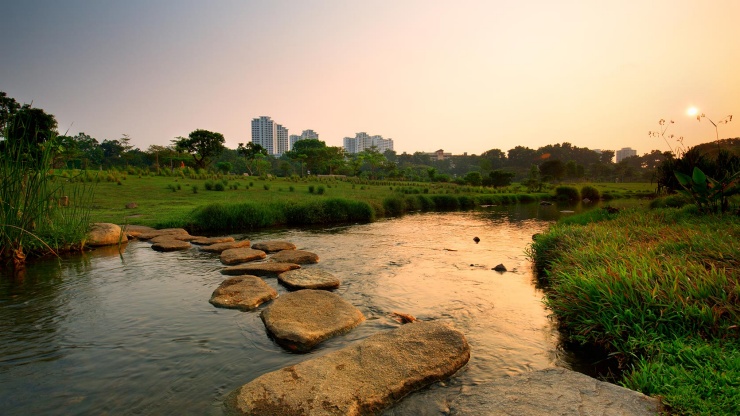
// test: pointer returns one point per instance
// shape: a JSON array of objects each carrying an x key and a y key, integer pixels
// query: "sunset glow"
[{"x": 460, "y": 76}]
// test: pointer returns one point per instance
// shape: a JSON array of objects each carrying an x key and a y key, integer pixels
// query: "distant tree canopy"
[{"x": 203, "y": 145}]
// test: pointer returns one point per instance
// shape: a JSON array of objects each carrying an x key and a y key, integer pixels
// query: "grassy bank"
[
  {"x": 659, "y": 289},
  {"x": 176, "y": 200}
]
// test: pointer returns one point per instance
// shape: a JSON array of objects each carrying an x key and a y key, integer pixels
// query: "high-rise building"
[
  {"x": 307, "y": 134},
  {"x": 283, "y": 141},
  {"x": 363, "y": 141},
  {"x": 625, "y": 153},
  {"x": 265, "y": 134}
]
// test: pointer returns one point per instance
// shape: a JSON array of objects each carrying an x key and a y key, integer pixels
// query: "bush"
[
  {"x": 393, "y": 206},
  {"x": 320, "y": 190},
  {"x": 266, "y": 187},
  {"x": 591, "y": 193},
  {"x": 311, "y": 189},
  {"x": 567, "y": 193},
  {"x": 195, "y": 189},
  {"x": 208, "y": 185},
  {"x": 219, "y": 186}
]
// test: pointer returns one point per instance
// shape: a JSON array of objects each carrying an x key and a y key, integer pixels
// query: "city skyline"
[{"x": 465, "y": 77}]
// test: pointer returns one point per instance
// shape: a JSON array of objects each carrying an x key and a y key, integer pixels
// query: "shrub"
[
  {"x": 311, "y": 189},
  {"x": 219, "y": 186},
  {"x": 266, "y": 187},
  {"x": 195, "y": 189},
  {"x": 591, "y": 193},
  {"x": 320, "y": 190},
  {"x": 566, "y": 193},
  {"x": 393, "y": 206},
  {"x": 208, "y": 185}
]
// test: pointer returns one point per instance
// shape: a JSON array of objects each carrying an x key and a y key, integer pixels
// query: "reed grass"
[
  {"x": 646, "y": 285},
  {"x": 40, "y": 211}
]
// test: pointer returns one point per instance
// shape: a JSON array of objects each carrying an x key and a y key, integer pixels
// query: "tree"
[
  {"x": 31, "y": 131},
  {"x": 8, "y": 107},
  {"x": 552, "y": 170},
  {"x": 534, "y": 182},
  {"x": 224, "y": 167},
  {"x": 473, "y": 178},
  {"x": 159, "y": 151},
  {"x": 251, "y": 152},
  {"x": 607, "y": 156},
  {"x": 499, "y": 178},
  {"x": 203, "y": 145},
  {"x": 312, "y": 154},
  {"x": 112, "y": 152}
]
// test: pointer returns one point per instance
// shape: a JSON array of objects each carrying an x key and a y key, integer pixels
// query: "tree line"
[{"x": 205, "y": 149}]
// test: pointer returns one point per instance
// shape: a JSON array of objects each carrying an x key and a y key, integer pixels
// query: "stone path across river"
[{"x": 368, "y": 376}]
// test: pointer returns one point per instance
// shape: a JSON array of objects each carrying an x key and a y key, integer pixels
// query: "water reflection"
[{"x": 133, "y": 332}]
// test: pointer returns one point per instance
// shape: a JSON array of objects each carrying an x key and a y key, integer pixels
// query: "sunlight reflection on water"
[{"x": 134, "y": 333}]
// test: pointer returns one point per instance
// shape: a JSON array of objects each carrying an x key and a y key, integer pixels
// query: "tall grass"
[
  {"x": 38, "y": 211},
  {"x": 647, "y": 285}
]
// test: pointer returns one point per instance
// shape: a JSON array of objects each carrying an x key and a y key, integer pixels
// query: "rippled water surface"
[{"x": 105, "y": 333}]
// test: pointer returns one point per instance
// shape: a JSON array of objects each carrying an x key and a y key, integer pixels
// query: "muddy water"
[{"x": 133, "y": 332}]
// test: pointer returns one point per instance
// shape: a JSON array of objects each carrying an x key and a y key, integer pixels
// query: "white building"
[
  {"x": 625, "y": 153},
  {"x": 306, "y": 135},
  {"x": 363, "y": 141},
  {"x": 283, "y": 141},
  {"x": 264, "y": 133}
]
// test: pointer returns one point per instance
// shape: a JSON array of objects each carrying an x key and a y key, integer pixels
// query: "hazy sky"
[{"x": 463, "y": 76}]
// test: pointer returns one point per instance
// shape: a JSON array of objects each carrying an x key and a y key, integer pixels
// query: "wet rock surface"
[
  {"x": 212, "y": 240},
  {"x": 554, "y": 391},
  {"x": 133, "y": 231},
  {"x": 148, "y": 235},
  {"x": 308, "y": 278},
  {"x": 265, "y": 269},
  {"x": 241, "y": 255},
  {"x": 295, "y": 256},
  {"x": 273, "y": 246},
  {"x": 361, "y": 379},
  {"x": 219, "y": 247},
  {"x": 170, "y": 244},
  {"x": 105, "y": 234},
  {"x": 242, "y": 292},
  {"x": 301, "y": 320}
]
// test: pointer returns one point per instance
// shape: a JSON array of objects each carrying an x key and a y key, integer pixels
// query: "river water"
[{"x": 132, "y": 333}]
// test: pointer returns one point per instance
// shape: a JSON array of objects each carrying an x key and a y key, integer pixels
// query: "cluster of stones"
[{"x": 368, "y": 376}]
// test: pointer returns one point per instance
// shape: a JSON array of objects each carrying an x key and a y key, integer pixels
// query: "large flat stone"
[
  {"x": 553, "y": 391},
  {"x": 170, "y": 244},
  {"x": 105, "y": 234},
  {"x": 147, "y": 235},
  {"x": 241, "y": 255},
  {"x": 219, "y": 247},
  {"x": 361, "y": 379},
  {"x": 133, "y": 231},
  {"x": 260, "y": 269},
  {"x": 242, "y": 292},
  {"x": 295, "y": 256},
  {"x": 211, "y": 240},
  {"x": 309, "y": 278},
  {"x": 301, "y": 320},
  {"x": 273, "y": 246}
]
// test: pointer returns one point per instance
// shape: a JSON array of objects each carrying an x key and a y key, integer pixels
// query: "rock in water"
[
  {"x": 361, "y": 379},
  {"x": 220, "y": 247},
  {"x": 169, "y": 231},
  {"x": 260, "y": 269},
  {"x": 308, "y": 279},
  {"x": 105, "y": 234},
  {"x": 242, "y": 292},
  {"x": 170, "y": 244},
  {"x": 273, "y": 246},
  {"x": 204, "y": 241},
  {"x": 295, "y": 256},
  {"x": 241, "y": 255},
  {"x": 301, "y": 320},
  {"x": 553, "y": 391}
]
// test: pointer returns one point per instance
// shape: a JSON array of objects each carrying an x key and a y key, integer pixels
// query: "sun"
[{"x": 692, "y": 111}]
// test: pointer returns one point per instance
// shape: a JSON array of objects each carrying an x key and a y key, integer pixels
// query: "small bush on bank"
[
  {"x": 591, "y": 193},
  {"x": 567, "y": 193}
]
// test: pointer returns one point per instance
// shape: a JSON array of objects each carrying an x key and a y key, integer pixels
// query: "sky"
[{"x": 462, "y": 76}]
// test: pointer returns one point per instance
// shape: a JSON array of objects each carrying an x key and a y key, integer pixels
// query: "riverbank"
[{"x": 659, "y": 290}]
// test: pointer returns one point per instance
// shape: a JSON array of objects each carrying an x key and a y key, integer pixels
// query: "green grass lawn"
[{"x": 169, "y": 199}]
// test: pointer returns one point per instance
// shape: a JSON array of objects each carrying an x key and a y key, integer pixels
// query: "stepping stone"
[
  {"x": 170, "y": 245},
  {"x": 361, "y": 379},
  {"x": 311, "y": 278},
  {"x": 260, "y": 269},
  {"x": 552, "y": 391},
  {"x": 242, "y": 292},
  {"x": 187, "y": 237},
  {"x": 169, "y": 231},
  {"x": 295, "y": 256},
  {"x": 165, "y": 237},
  {"x": 133, "y": 231},
  {"x": 212, "y": 240},
  {"x": 105, "y": 234},
  {"x": 241, "y": 255},
  {"x": 273, "y": 246},
  {"x": 219, "y": 247},
  {"x": 301, "y": 320}
]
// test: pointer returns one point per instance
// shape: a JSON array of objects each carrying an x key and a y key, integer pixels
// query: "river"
[{"x": 133, "y": 333}]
